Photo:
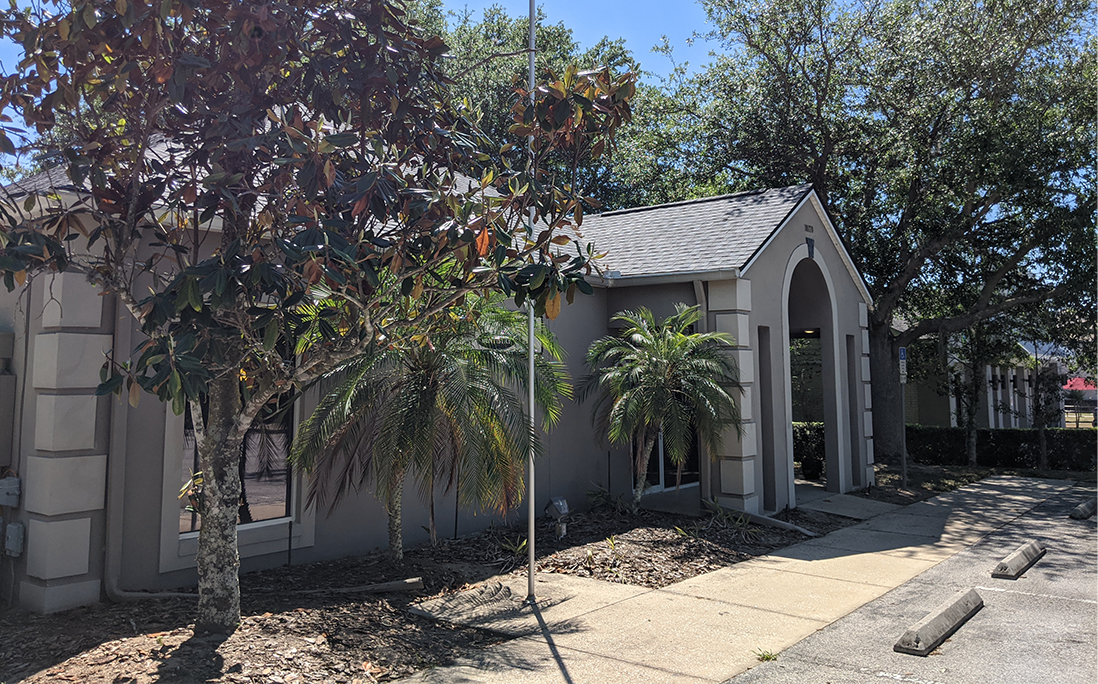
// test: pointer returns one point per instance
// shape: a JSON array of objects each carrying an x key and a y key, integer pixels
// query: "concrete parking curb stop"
[
  {"x": 1084, "y": 510},
  {"x": 927, "y": 634},
  {"x": 1019, "y": 561}
]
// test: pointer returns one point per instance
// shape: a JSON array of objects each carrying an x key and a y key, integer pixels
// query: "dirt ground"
[
  {"x": 925, "y": 481},
  {"x": 295, "y": 629}
]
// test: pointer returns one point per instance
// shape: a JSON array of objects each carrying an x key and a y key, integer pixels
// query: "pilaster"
[
  {"x": 65, "y": 462},
  {"x": 739, "y": 473}
]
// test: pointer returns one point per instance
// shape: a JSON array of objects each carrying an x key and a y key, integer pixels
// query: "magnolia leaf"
[
  {"x": 483, "y": 240},
  {"x": 552, "y": 306},
  {"x": 270, "y": 335}
]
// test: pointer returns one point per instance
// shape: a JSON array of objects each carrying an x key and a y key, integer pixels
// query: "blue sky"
[{"x": 642, "y": 23}]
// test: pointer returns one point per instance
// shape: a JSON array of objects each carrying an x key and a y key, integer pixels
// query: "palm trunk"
[
  {"x": 218, "y": 558},
  {"x": 431, "y": 514},
  {"x": 645, "y": 446},
  {"x": 393, "y": 506}
]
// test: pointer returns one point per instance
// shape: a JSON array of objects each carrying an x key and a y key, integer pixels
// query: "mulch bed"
[{"x": 288, "y": 636}]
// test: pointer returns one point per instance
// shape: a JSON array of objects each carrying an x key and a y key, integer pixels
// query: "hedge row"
[
  {"x": 1068, "y": 449},
  {"x": 808, "y": 448}
]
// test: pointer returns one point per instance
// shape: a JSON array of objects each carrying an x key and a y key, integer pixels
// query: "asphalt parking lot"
[{"x": 1041, "y": 628}]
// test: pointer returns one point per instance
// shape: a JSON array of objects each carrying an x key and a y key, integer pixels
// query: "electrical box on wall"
[
  {"x": 9, "y": 492},
  {"x": 13, "y": 539}
]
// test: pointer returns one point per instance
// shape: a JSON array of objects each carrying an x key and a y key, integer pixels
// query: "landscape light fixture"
[{"x": 557, "y": 509}]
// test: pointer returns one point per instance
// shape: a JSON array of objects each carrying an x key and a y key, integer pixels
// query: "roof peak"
[{"x": 701, "y": 200}]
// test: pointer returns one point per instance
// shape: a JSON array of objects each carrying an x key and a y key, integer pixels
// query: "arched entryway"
[{"x": 811, "y": 322}]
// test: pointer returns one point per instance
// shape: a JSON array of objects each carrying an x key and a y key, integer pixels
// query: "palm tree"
[
  {"x": 661, "y": 377},
  {"x": 440, "y": 405}
]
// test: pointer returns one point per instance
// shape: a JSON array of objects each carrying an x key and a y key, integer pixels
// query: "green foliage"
[
  {"x": 1068, "y": 449},
  {"x": 660, "y": 377},
  {"x": 806, "y": 379},
  {"x": 437, "y": 403},
  {"x": 951, "y": 142},
  {"x": 489, "y": 67},
  {"x": 600, "y": 497},
  {"x": 765, "y": 656},
  {"x": 249, "y": 180},
  {"x": 194, "y": 489},
  {"x": 516, "y": 548},
  {"x": 808, "y": 448},
  {"x": 328, "y": 203}
]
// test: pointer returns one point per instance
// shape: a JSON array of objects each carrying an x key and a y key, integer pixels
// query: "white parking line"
[
  {"x": 904, "y": 678},
  {"x": 1029, "y": 593}
]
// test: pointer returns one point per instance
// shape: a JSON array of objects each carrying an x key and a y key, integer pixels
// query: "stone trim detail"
[
  {"x": 65, "y": 422},
  {"x": 60, "y": 548},
  {"x": 65, "y": 360},
  {"x": 54, "y": 597},
  {"x": 74, "y": 484},
  {"x": 69, "y": 300}
]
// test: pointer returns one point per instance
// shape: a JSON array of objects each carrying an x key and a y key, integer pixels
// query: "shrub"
[
  {"x": 1073, "y": 449},
  {"x": 808, "y": 448}
]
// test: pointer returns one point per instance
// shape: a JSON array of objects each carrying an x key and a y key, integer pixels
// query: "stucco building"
[{"x": 99, "y": 507}]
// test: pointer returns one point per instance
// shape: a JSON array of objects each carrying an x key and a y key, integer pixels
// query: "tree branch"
[{"x": 955, "y": 323}]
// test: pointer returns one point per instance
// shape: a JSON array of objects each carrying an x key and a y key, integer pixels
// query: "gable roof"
[{"x": 696, "y": 236}]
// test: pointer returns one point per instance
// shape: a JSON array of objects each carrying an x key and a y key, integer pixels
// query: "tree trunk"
[
  {"x": 431, "y": 513},
  {"x": 969, "y": 385},
  {"x": 970, "y": 443},
  {"x": 888, "y": 409},
  {"x": 393, "y": 506},
  {"x": 245, "y": 515},
  {"x": 218, "y": 558},
  {"x": 646, "y": 446}
]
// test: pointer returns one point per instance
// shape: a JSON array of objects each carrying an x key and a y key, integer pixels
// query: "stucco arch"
[{"x": 837, "y": 438}]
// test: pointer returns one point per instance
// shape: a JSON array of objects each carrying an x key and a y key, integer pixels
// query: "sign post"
[{"x": 903, "y": 416}]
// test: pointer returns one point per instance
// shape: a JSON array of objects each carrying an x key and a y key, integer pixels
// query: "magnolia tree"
[{"x": 249, "y": 179}]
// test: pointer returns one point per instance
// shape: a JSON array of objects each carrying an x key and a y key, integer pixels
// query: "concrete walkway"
[{"x": 709, "y": 628}]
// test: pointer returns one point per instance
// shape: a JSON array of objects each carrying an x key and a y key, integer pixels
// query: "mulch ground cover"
[{"x": 297, "y": 628}]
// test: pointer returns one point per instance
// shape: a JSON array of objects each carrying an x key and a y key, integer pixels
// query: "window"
[
  {"x": 663, "y": 474},
  {"x": 265, "y": 480}
]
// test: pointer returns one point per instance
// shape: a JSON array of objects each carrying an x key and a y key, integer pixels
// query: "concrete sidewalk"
[{"x": 708, "y": 628}]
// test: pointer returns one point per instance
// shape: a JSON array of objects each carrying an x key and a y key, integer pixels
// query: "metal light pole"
[{"x": 530, "y": 526}]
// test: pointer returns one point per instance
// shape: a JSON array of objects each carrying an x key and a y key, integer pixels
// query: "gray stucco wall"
[
  {"x": 573, "y": 464},
  {"x": 136, "y": 443},
  {"x": 60, "y": 439},
  {"x": 767, "y": 276}
]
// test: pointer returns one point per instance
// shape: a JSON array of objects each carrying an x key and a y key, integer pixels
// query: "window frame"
[{"x": 179, "y": 549}]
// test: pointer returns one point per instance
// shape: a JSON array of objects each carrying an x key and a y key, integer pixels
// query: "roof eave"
[{"x": 607, "y": 281}]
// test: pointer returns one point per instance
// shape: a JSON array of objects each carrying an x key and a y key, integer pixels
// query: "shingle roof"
[
  {"x": 55, "y": 178},
  {"x": 695, "y": 236}
]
